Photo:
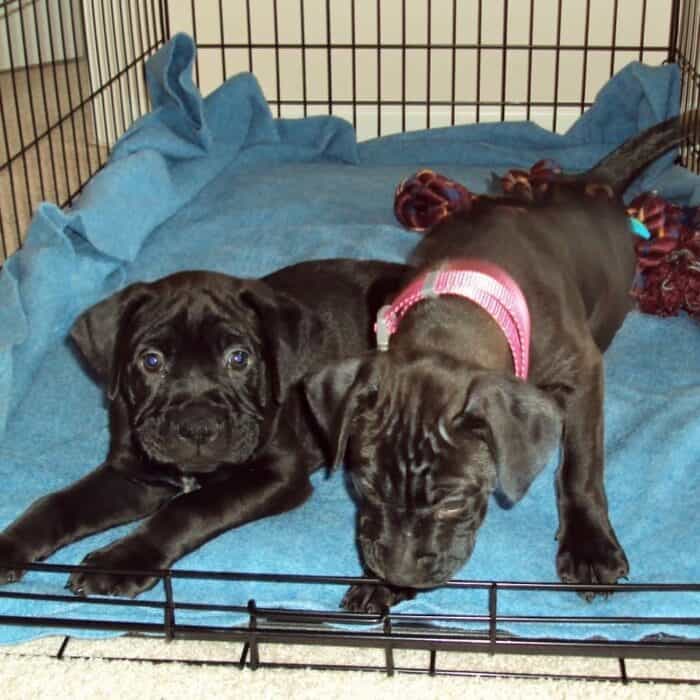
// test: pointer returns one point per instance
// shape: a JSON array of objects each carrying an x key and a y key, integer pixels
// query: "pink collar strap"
[{"x": 481, "y": 282}]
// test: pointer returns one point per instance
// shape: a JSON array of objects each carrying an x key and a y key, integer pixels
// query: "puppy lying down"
[
  {"x": 490, "y": 359},
  {"x": 208, "y": 427}
]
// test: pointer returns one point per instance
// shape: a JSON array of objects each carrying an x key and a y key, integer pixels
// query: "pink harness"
[{"x": 481, "y": 282}]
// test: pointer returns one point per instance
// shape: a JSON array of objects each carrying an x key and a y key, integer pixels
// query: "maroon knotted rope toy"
[{"x": 668, "y": 264}]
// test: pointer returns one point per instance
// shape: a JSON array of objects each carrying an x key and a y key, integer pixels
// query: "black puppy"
[
  {"x": 209, "y": 429},
  {"x": 493, "y": 357}
]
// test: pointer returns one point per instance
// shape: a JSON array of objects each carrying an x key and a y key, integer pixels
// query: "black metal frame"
[
  {"x": 143, "y": 31},
  {"x": 62, "y": 176},
  {"x": 389, "y": 631}
]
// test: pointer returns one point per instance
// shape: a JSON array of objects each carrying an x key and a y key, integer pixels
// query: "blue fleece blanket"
[{"x": 219, "y": 184}]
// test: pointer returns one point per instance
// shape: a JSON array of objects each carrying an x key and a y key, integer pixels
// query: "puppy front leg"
[
  {"x": 253, "y": 492},
  {"x": 102, "y": 499},
  {"x": 589, "y": 551}
]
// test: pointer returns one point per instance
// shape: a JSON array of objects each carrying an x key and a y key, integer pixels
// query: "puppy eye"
[
  {"x": 236, "y": 359},
  {"x": 152, "y": 361}
]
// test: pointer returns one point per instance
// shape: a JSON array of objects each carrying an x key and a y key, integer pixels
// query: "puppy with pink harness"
[{"x": 488, "y": 362}]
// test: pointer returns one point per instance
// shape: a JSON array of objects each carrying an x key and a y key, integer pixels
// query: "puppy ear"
[
  {"x": 333, "y": 394},
  {"x": 286, "y": 325},
  {"x": 524, "y": 428},
  {"x": 96, "y": 333}
]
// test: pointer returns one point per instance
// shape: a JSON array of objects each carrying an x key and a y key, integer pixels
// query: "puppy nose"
[{"x": 199, "y": 429}]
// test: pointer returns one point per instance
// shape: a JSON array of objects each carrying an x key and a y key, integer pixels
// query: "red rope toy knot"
[
  {"x": 668, "y": 277},
  {"x": 427, "y": 197},
  {"x": 529, "y": 184},
  {"x": 668, "y": 264}
]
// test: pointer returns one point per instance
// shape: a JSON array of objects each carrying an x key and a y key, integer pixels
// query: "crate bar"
[
  {"x": 98, "y": 61},
  {"x": 514, "y": 675},
  {"x": 355, "y": 580},
  {"x": 498, "y": 46},
  {"x": 557, "y": 59},
  {"x": 642, "y": 30},
  {"x": 224, "y": 73},
  {"x": 156, "y": 17},
  {"x": 88, "y": 99},
  {"x": 277, "y": 59},
  {"x": 32, "y": 106},
  {"x": 613, "y": 40},
  {"x": 478, "y": 60},
  {"x": 305, "y": 101},
  {"x": 165, "y": 20},
  {"x": 584, "y": 67},
  {"x": 530, "y": 36},
  {"x": 379, "y": 70},
  {"x": 51, "y": 63},
  {"x": 329, "y": 61},
  {"x": 453, "y": 87},
  {"x": 428, "y": 56},
  {"x": 323, "y": 616},
  {"x": 406, "y": 670},
  {"x": 126, "y": 82},
  {"x": 169, "y": 609},
  {"x": 108, "y": 70},
  {"x": 354, "y": 64},
  {"x": 134, "y": 51},
  {"x": 249, "y": 26},
  {"x": 437, "y": 103},
  {"x": 67, "y": 80},
  {"x": 403, "y": 65},
  {"x": 504, "y": 60},
  {"x": 120, "y": 85},
  {"x": 694, "y": 86},
  {"x": 252, "y": 638},
  {"x": 413, "y": 639},
  {"x": 193, "y": 16},
  {"x": 673, "y": 30},
  {"x": 15, "y": 92},
  {"x": 13, "y": 189},
  {"x": 388, "y": 648}
]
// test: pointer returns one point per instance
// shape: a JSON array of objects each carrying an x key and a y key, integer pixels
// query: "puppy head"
[
  {"x": 197, "y": 360},
  {"x": 425, "y": 443}
]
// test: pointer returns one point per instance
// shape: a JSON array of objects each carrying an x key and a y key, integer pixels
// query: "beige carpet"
[{"x": 106, "y": 669}]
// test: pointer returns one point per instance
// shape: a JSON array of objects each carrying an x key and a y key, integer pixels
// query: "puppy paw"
[
  {"x": 374, "y": 599},
  {"x": 12, "y": 553},
  {"x": 119, "y": 555},
  {"x": 590, "y": 553}
]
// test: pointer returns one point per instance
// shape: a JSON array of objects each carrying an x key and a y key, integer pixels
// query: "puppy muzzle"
[
  {"x": 199, "y": 426},
  {"x": 411, "y": 563},
  {"x": 197, "y": 436}
]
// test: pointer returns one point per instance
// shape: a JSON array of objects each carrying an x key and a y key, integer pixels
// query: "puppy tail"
[{"x": 619, "y": 168}]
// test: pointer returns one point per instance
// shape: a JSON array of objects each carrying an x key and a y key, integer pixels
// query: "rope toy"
[
  {"x": 427, "y": 197},
  {"x": 668, "y": 251},
  {"x": 668, "y": 264}
]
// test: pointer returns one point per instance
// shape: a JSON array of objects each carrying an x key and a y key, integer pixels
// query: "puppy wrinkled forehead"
[
  {"x": 422, "y": 394},
  {"x": 190, "y": 318}
]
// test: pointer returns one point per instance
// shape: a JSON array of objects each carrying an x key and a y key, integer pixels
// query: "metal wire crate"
[{"x": 71, "y": 83}]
